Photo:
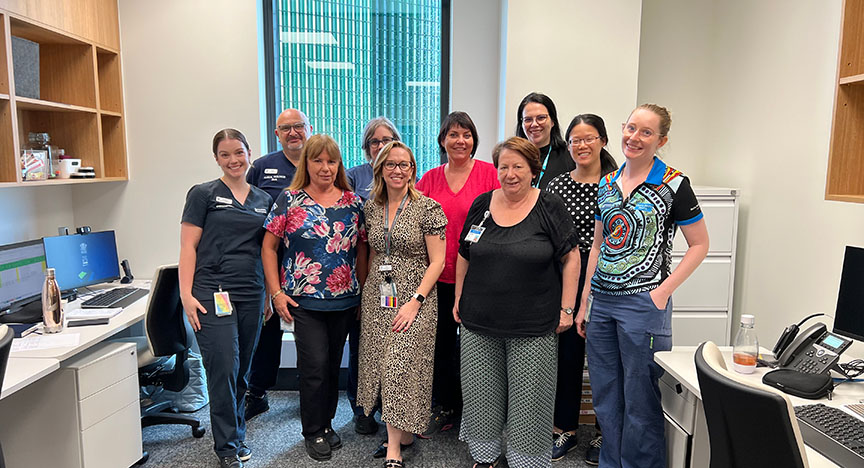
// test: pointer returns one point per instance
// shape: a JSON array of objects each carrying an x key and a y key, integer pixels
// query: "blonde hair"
[
  {"x": 314, "y": 146},
  {"x": 379, "y": 187},
  {"x": 663, "y": 113}
]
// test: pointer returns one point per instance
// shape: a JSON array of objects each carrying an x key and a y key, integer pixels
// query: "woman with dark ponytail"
[{"x": 586, "y": 140}]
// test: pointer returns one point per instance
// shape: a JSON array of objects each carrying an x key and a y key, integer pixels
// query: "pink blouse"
[{"x": 483, "y": 178}]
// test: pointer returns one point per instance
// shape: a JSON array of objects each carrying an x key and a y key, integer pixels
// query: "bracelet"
[{"x": 274, "y": 295}]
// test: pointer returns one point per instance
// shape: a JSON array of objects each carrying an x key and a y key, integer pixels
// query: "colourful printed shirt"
[
  {"x": 318, "y": 266},
  {"x": 636, "y": 252}
]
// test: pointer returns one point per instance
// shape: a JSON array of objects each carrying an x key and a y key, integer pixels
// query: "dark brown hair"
[{"x": 229, "y": 134}]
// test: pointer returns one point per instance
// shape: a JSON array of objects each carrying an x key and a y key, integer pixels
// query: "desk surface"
[
  {"x": 93, "y": 334},
  {"x": 22, "y": 372},
  {"x": 680, "y": 364}
]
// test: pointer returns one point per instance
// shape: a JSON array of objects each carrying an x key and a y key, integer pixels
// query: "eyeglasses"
[
  {"x": 574, "y": 142},
  {"x": 630, "y": 129},
  {"x": 403, "y": 166},
  {"x": 375, "y": 143},
  {"x": 540, "y": 119},
  {"x": 299, "y": 127}
]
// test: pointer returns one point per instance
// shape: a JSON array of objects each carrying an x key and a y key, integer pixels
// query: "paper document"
[
  {"x": 81, "y": 314},
  {"x": 34, "y": 342}
]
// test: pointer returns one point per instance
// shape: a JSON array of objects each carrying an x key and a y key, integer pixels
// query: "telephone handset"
[{"x": 815, "y": 351}]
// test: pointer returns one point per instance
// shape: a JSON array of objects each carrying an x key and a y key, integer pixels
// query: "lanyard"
[
  {"x": 388, "y": 230},
  {"x": 536, "y": 181}
]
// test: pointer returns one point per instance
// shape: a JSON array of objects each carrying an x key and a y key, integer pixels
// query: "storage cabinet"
[
  {"x": 80, "y": 102},
  {"x": 702, "y": 306}
]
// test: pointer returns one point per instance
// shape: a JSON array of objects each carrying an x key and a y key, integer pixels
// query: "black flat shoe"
[{"x": 381, "y": 451}]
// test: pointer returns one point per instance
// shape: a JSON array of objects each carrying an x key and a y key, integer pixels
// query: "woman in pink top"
[{"x": 454, "y": 185}]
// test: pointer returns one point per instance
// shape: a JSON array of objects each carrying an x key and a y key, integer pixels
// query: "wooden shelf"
[
  {"x": 40, "y": 105},
  {"x": 856, "y": 79},
  {"x": 80, "y": 90}
]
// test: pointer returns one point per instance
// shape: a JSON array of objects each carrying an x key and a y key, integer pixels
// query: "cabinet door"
[
  {"x": 720, "y": 221},
  {"x": 707, "y": 288}
]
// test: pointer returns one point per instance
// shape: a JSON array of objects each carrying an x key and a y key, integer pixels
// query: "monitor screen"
[
  {"x": 849, "y": 317},
  {"x": 22, "y": 271},
  {"x": 82, "y": 259}
]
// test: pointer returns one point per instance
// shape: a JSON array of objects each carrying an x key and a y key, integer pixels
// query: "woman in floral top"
[{"x": 321, "y": 224}]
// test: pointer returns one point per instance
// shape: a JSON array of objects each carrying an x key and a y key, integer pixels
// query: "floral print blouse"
[{"x": 320, "y": 248}]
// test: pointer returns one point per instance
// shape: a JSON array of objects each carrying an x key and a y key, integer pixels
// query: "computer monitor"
[
  {"x": 849, "y": 317},
  {"x": 82, "y": 260},
  {"x": 22, "y": 272}
]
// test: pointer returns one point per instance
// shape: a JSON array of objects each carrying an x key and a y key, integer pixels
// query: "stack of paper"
[{"x": 86, "y": 314}]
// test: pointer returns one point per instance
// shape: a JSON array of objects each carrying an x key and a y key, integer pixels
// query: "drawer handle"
[{"x": 678, "y": 388}]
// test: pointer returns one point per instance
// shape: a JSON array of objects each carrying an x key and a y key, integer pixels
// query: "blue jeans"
[{"x": 623, "y": 334}]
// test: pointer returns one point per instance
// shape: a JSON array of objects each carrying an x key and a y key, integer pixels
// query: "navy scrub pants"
[
  {"x": 265, "y": 362},
  {"x": 623, "y": 334},
  {"x": 227, "y": 344}
]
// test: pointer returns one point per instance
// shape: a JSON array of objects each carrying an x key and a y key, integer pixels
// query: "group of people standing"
[{"x": 468, "y": 296}]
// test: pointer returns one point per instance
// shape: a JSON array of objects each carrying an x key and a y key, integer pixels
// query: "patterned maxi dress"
[{"x": 396, "y": 368}]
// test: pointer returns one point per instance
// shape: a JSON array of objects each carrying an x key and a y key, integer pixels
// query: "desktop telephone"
[{"x": 815, "y": 351}]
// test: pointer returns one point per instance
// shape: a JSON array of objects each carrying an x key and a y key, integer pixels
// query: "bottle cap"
[
  {"x": 49, "y": 272},
  {"x": 747, "y": 319}
]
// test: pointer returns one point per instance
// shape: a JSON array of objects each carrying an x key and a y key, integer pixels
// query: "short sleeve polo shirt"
[
  {"x": 272, "y": 173},
  {"x": 636, "y": 252}
]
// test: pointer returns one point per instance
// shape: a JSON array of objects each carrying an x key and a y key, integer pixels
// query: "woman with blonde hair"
[{"x": 400, "y": 301}]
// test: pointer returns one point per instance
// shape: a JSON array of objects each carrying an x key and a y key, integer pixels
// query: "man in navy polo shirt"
[{"x": 273, "y": 173}]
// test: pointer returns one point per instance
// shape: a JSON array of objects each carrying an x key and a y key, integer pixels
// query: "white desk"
[
  {"x": 22, "y": 372},
  {"x": 685, "y": 406}
]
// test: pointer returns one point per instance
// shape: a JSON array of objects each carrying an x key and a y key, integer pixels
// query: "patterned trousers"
[{"x": 508, "y": 385}]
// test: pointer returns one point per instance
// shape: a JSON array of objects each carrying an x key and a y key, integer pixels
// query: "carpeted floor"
[{"x": 276, "y": 442}]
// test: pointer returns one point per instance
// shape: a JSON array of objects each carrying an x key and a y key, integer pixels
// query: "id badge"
[
  {"x": 385, "y": 268},
  {"x": 588, "y": 308},
  {"x": 388, "y": 295},
  {"x": 223, "y": 303},
  {"x": 474, "y": 234}
]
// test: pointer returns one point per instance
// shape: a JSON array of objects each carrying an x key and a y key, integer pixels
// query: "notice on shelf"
[{"x": 34, "y": 342}]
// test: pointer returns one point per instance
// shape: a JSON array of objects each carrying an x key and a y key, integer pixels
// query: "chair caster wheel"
[{"x": 198, "y": 432}]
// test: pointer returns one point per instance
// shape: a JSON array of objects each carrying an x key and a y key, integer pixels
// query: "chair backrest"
[
  {"x": 749, "y": 424},
  {"x": 164, "y": 321},
  {"x": 6, "y": 335}
]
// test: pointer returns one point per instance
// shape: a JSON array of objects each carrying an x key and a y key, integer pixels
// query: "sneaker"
[
  {"x": 230, "y": 462},
  {"x": 244, "y": 453},
  {"x": 365, "y": 425},
  {"x": 441, "y": 420},
  {"x": 592, "y": 455},
  {"x": 318, "y": 448},
  {"x": 255, "y": 405},
  {"x": 563, "y": 444},
  {"x": 332, "y": 438}
]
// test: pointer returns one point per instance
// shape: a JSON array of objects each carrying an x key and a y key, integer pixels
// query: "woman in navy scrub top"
[{"x": 220, "y": 252}]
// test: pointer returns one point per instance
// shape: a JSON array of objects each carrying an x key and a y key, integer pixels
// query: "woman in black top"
[
  {"x": 510, "y": 318},
  {"x": 586, "y": 138},
  {"x": 537, "y": 120},
  {"x": 220, "y": 263}
]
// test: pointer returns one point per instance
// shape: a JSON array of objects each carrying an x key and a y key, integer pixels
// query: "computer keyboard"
[
  {"x": 833, "y": 432},
  {"x": 117, "y": 297}
]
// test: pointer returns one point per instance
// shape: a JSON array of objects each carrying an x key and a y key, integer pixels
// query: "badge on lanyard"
[
  {"x": 388, "y": 294},
  {"x": 222, "y": 302},
  {"x": 388, "y": 287},
  {"x": 476, "y": 230}
]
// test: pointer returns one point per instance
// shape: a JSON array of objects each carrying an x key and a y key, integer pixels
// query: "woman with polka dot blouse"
[{"x": 586, "y": 140}]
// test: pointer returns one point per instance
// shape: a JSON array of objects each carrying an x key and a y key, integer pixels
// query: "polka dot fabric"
[{"x": 581, "y": 202}]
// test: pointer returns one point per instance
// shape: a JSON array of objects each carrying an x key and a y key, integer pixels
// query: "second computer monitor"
[
  {"x": 82, "y": 259},
  {"x": 849, "y": 317}
]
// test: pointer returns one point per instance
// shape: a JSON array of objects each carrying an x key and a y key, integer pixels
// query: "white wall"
[
  {"x": 32, "y": 212},
  {"x": 190, "y": 68},
  {"x": 752, "y": 109},
  {"x": 583, "y": 54}
]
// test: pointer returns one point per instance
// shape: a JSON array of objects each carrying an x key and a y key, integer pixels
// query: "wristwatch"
[
  {"x": 567, "y": 310},
  {"x": 273, "y": 296},
  {"x": 419, "y": 297}
]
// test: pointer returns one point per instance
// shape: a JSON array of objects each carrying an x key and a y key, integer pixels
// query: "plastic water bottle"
[
  {"x": 746, "y": 346},
  {"x": 52, "y": 309}
]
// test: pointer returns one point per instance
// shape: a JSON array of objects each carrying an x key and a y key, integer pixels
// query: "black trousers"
[
  {"x": 571, "y": 361},
  {"x": 227, "y": 344},
  {"x": 265, "y": 361},
  {"x": 320, "y": 339},
  {"x": 446, "y": 383}
]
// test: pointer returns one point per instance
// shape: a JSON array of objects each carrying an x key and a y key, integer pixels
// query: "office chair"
[
  {"x": 6, "y": 335},
  {"x": 168, "y": 336},
  {"x": 749, "y": 424}
]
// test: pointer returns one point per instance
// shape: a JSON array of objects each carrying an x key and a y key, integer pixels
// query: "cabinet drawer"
[
  {"x": 720, "y": 220},
  {"x": 679, "y": 404},
  {"x": 114, "y": 441},
  {"x": 108, "y": 401},
  {"x": 707, "y": 288},
  {"x": 692, "y": 328},
  {"x": 103, "y": 366},
  {"x": 677, "y": 445}
]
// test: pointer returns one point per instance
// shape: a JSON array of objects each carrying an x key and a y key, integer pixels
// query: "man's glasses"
[{"x": 297, "y": 127}]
